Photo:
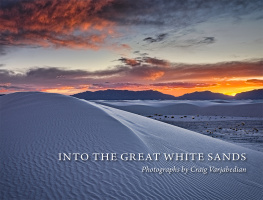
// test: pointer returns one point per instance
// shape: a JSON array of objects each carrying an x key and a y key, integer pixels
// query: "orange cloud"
[
  {"x": 55, "y": 23},
  {"x": 155, "y": 75},
  {"x": 255, "y": 81},
  {"x": 183, "y": 85},
  {"x": 129, "y": 61}
]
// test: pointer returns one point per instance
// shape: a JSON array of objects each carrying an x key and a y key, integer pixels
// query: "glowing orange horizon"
[{"x": 228, "y": 88}]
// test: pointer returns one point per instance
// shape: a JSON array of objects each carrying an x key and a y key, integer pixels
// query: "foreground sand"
[{"x": 35, "y": 127}]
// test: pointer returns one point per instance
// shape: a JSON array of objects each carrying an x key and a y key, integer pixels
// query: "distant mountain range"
[
  {"x": 123, "y": 95},
  {"x": 254, "y": 94},
  {"x": 206, "y": 95},
  {"x": 155, "y": 95}
]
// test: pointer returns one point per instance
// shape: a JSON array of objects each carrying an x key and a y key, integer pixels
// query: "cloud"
[
  {"x": 93, "y": 24},
  {"x": 207, "y": 40},
  {"x": 146, "y": 69},
  {"x": 183, "y": 85},
  {"x": 54, "y": 23},
  {"x": 155, "y": 61},
  {"x": 158, "y": 38},
  {"x": 108, "y": 85},
  {"x": 131, "y": 62},
  {"x": 8, "y": 87},
  {"x": 195, "y": 42},
  {"x": 143, "y": 60},
  {"x": 255, "y": 81}
]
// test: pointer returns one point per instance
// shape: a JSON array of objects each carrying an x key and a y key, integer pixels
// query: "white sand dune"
[
  {"x": 239, "y": 108},
  {"x": 202, "y": 115},
  {"x": 35, "y": 127}
]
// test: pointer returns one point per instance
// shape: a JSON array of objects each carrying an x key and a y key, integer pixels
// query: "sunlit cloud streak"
[{"x": 56, "y": 23}]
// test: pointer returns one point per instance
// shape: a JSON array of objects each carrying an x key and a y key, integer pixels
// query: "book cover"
[{"x": 131, "y": 99}]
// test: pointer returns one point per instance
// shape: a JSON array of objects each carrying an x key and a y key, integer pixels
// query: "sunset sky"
[{"x": 175, "y": 47}]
